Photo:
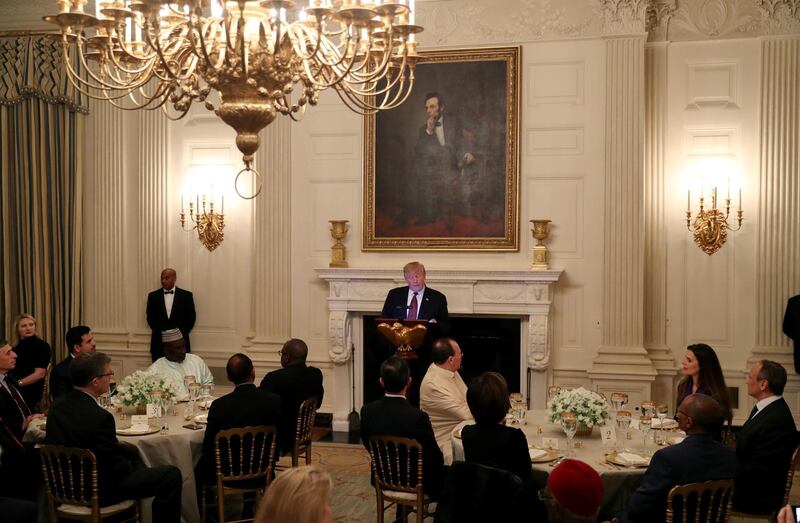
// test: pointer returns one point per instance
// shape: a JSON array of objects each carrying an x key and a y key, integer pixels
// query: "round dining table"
[{"x": 619, "y": 481}]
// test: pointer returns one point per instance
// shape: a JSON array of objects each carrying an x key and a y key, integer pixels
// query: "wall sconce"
[
  {"x": 209, "y": 224},
  {"x": 710, "y": 226}
]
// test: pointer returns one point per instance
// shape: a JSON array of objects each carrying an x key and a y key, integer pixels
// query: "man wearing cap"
[
  {"x": 177, "y": 364},
  {"x": 696, "y": 459},
  {"x": 169, "y": 307},
  {"x": 573, "y": 494},
  {"x": 79, "y": 341}
]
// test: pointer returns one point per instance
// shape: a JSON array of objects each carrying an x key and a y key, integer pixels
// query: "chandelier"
[{"x": 263, "y": 58}]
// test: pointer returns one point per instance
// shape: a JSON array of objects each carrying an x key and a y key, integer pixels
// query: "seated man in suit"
[
  {"x": 79, "y": 341},
  {"x": 393, "y": 415},
  {"x": 77, "y": 420},
  {"x": 443, "y": 394},
  {"x": 246, "y": 406},
  {"x": 177, "y": 364},
  {"x": 13, "y": 410},
  {"x": 765, "y": 444},
  {"x": 573, "y": 494},
  {"x": 697, "y": 458},
  {"x": 295, "y": 382}
]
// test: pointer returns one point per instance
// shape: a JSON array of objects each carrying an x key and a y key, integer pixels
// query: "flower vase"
[
  {"x": 141, "y": 409},
  {"x": 584, "y": 431}
]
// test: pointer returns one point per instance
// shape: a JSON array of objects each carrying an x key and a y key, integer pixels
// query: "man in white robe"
[
  {"x": 177, "y": 364},
  {"x": 443, "y": 394}
]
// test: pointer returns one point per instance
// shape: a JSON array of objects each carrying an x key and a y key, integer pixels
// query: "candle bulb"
[
  {"x": 181, "y": 202},
  {"x": 689, "y": 200},
  {"x": 740, "y": 198},
  {"x": 222, "y": 208}
]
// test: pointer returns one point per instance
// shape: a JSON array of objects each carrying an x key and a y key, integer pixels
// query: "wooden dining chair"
[
  {"x": 302, "y": 435},
  {"x": 397, "y": 469},
  {"x": 70, "y": 481},
  {"x": 709, "y": 501},
  {"x": 244, "y": 459},
  {"x": 44, "y": 403}
]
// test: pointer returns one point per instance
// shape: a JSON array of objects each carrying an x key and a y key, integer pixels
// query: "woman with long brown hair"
[
  {"x": 702, "y": 374},
  {"x": 33, "y": 356}
]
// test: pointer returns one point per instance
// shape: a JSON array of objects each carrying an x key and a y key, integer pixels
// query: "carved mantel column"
[
  {"x": 522, "y": 293},
  {"x": 622, "y": 353},
  {"x": 777, "y": 270}
]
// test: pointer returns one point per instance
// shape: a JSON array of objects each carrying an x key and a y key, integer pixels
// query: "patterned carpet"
[{"x": 348, "y": 465}]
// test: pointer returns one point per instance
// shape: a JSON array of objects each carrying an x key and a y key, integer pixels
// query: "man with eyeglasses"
[
  {"x": 766, "y": 442},
  {"x": 294, "y": 382},
  {"x": 699, "y": 457},
  {"x": 77, "y": 420}
]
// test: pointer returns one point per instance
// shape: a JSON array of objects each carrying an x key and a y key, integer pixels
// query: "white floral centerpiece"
[
  {"x": 589, "y": 408},
  {"x": 137, "y": 388}
]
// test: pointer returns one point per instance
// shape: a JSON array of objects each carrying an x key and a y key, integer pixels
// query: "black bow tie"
[{"x": 169, "y": 292}]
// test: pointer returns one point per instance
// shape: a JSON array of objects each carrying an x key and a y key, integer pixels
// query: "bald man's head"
[
  {"x": 703, "y": 414},
  {"x": 294, "y": 352}
]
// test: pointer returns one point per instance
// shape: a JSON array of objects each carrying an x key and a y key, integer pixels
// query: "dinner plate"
[
  {"x": 548, "y": 456},
  {"x": 674, "y": 440},
  {"x": 613, "y": 457},
  {"x": 136, "y": 431},
  {"x": 201, "y": 418},
  {"x": 667, "y": 424}
]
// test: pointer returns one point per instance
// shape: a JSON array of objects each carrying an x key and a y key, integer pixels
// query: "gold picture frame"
[{"x": 444, "y": 176}]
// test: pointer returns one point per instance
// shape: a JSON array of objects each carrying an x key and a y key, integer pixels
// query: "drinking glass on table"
[
  {"x": 619, "y": 400},
  {"x": 623, "y": 423},
  {"x": 662, "y": 410},
  {"x": 188, "y": 380},
  {"x": 553, "y": 391},
  {"x": 644, "y": 425},
  {"x": 194, "y": 391},
  {"x": 569, "y": 423},
  {"x": 207, "y": 389}
]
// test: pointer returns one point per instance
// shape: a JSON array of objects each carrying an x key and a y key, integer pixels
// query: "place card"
[
  {"x": 550, "y": 443},
  {"x": 153, "y": 411},
  {"x": 609, "y": 436},
  {"x": 139, "y": 419}
]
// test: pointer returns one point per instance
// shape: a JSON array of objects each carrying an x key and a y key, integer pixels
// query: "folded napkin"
[
  {"x": 537, "y": 453},
  {"x": 632, "y": 459},
  {"x": 667, "y": 423}
]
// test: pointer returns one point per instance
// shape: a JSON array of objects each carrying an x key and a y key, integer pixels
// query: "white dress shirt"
[
  {"x": 760, "y": 405},
  {"x": 443, "y": 396},
  {"x": 169, "y": 299}
]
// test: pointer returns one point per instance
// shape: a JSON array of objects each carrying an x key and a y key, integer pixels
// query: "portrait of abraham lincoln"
[{"x": 441, "y": 169}]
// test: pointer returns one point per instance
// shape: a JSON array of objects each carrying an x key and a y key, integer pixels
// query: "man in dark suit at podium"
[
  {"x": 169, "y": 308},
  {"x": 791, "y": 327},
  {"x": 418, "y": 302}
]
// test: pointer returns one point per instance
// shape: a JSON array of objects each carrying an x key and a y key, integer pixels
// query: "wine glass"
[
  {"x": 553, "y": 391},
  {"x": 619, "y": 400},
  {"x": 661, "y": 412},
  {"x": 623, "y": 423},
  {"x": 644, "y": 425},
  {"x": 194, "y": 392},
  {"x": 648, "y": 408},
  {"x": 569, "y": 423},
  {"x": 188, "y": 380}
]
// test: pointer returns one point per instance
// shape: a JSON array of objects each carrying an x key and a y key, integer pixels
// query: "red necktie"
[
  {"x": 412, "y": 309},
  {"x": 23, "y": 407}
]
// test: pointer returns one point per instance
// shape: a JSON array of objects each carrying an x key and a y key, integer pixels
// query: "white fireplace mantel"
[{"x": 526, "y": 294}]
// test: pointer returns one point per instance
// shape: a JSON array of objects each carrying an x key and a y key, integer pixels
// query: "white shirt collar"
[
  {"x": 762, "y": 404},
  {"x": 390, "y": 395}
]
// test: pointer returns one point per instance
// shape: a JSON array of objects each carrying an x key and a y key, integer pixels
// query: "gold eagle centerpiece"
[{"x": 406, "y": 339}]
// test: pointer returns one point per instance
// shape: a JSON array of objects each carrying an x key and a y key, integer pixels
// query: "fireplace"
[{"x": 521, "y": 297}]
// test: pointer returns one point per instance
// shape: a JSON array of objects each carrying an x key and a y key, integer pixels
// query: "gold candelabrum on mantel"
[
  {"x": 338, "y": 250},
  {"x": 710, "y": 226},
  {"x": 540, "y": 230},
  {"x": 207, "y": 222}
]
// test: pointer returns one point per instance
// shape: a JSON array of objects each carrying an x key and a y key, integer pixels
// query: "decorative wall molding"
[
  {"x": 623, "y": 17},
  {"x": 658, "y": 15},
  {"x": 714, "y": 19},
  {"x": 779, "y": 17},
  {"x": 713, "y": 84}
]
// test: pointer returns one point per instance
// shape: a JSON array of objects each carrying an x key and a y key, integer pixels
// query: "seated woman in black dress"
[
  {"x": 702, "y": 374},
  {"x": 489, "y": 441},
  {"x": 33, "y": 356}
]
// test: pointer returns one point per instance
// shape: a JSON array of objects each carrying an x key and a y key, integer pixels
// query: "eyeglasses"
[
  {"x": 104, "y": 375},
  {"x": 280, "y": 352}
]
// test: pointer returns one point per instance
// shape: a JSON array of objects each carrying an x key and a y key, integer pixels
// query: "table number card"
[
  {"x": 153, "y": 411},
  {"x": 609, "y": 436},
  {"x": 139, "y": 419},
  {"x": 550, "y": 443}
]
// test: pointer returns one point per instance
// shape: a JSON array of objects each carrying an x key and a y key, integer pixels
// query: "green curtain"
[{"x": 41, "y": 136}]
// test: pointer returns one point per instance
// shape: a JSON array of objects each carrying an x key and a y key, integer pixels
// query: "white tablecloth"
[
  {"x": 618, "y": 482},
  {"x": 181, "y": 447}
]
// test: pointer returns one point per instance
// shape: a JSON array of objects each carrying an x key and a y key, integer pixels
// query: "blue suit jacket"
[{"x": 697, "y": 458}]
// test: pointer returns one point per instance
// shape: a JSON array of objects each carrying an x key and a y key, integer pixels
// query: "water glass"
[
  {"x": 623, "y": 423},
  {"x": 662, "y": 410},
  {"x": 569, "y": 423},
  {"x": 644, "y": 425}
]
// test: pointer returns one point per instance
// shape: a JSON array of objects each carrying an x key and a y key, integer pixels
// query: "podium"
[{"x": 405, "y": 335}]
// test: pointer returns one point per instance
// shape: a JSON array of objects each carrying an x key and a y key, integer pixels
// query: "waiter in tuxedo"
[
  {"x": 416, "y": 301},
  {"x": 169, "y": 308},
  {"x": 791, "y": 327}
]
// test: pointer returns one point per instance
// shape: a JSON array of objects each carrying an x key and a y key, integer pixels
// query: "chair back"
[
  {"x": 475, "y": 492},
  {"x": 44, "y": 403},
  {"x": 305, "y": 421},
  {"x": 790, "y": 475},
  {"x": 70, "y": 477},
  {"x": 396, "y": 463},
  {"x": 246, "y": 453},
  {"x": 707, "y": 502}
]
